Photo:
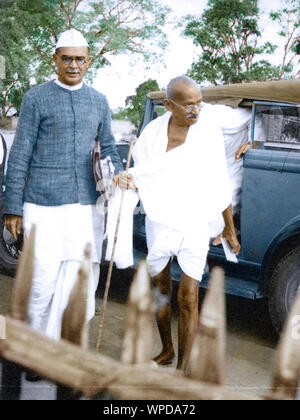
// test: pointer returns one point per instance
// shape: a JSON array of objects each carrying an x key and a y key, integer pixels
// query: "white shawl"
[{"x": 185, "y": 188}]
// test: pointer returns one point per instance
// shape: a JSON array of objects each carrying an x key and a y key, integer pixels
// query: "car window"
[
  {"x": 277, "y": 126},
  {"x": 158, "y": 110}
]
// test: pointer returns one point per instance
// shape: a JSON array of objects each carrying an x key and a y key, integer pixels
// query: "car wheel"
[
  {"x": 283, "y": 287},
  {"x": 9, "y": 251}
]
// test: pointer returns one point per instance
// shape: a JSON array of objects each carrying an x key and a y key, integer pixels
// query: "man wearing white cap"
[{"x": 50, "y": 183}]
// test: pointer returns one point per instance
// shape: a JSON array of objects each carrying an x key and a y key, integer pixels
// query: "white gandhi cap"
[{"x": 71, "y": 38}]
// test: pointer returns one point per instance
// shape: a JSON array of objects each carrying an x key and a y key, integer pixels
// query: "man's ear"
[
  {"x": 89, "y": 61},
  {"x": 54, "y": 59},
  {"x": 167, "y": 104}
]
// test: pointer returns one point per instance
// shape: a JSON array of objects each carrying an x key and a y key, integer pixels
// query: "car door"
[{"x": 270, "y": 198}]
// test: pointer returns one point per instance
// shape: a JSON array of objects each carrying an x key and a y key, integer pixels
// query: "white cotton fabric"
[
  {"x": 123, "y": 255},
  {"x": 69, "y": 87},
  {"x": 51, "y": 290},
  {"x": 62, "y": 233},
  {"x": 188, "y": 186},
  {"x": 71, "y": 38},
  {"x": 235, "y": 125},
  {"x": 190, "y": 249},
  {"x": 181, "y": 190}
]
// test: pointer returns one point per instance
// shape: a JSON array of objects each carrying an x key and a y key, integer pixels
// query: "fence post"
[
  {"x": 12, "y": 373},
  {"x": 207, "y": 360},
  {"x": 23, "y": 279},
  {"x": 73, "y": 327},
  {"x": 138, "y": 337},
  {"x": 287, "y": 361}
]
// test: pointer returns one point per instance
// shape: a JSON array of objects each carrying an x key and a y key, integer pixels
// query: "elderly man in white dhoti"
[{"x": 182, "y": 179}]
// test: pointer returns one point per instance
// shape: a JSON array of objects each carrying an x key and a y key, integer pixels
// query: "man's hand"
[
  {"x": 230, "y": 236},
  {"x": 14, "y": 225},
  {"x": 125, "y": 181},
  {"x": 242, "y": 150}
]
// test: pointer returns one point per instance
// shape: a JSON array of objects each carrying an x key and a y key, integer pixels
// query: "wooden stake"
[
  {"x": 208, "y": 354},
  {"x": 91, "y": 373},
  {"x": 23, "y": 279},
  {"x": 287, "y": 361},
  {"x": 74, "y": 317},
  {"x": 138, "y": 338},
  {"x": 111, "y": 263}
]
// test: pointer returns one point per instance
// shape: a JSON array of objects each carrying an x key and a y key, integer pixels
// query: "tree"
[
  {"x": 288, "y": 17},
  {"x": 135, "y": 105},
  {"x": 228, "y": 34},
  {"x": 19, "y": 23},
  {"x": 29, "y": 31}
]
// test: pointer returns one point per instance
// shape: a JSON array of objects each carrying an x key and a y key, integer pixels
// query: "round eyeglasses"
[
  {"x": 67, "y": 59},
  {"x": 188, "y": 108}
]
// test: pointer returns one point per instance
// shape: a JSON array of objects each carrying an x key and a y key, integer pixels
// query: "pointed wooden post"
[
  {"x": 207, "y": 361},
  {"x": 73, "y": 327},
  {"x": 138, "y": 338},
  {"x": 12, "y": 373},
  {"x": 287, "y": 360},
  {"x": 74, "y": 317},
  {"x": 23, "y": 279}
]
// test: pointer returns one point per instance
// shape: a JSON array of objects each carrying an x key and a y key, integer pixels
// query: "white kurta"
[
  {"x": 62, "y": 233},
  {"x": 182, "y": 191}
]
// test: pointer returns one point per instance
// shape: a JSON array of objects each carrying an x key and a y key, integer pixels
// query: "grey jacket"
[{"x": 50, "y": 160}]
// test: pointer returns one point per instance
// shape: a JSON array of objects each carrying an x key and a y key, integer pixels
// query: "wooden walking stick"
[{"x": 108, "y": 279}]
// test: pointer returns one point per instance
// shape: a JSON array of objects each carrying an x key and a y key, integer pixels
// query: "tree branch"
[
  {"x": 44, "y": 57},
  {"x": 4, "y": 111},
  {"x": 69, "y": 10}
]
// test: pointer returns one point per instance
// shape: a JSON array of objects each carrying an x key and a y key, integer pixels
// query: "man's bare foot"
[{"x": 164, "y": 358}]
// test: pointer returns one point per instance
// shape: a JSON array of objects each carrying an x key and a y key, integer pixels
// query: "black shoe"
[{"x": 32, "y": 377}]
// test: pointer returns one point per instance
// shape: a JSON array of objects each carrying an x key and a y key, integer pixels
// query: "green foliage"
[
  {"x": 288, "y": 18},
  {"x": 228, "y": 35},
  {"x": 30, "y": 28},
  {"x": 135, "y": 105}
]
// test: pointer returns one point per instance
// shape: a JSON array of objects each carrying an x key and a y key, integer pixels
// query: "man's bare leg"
[
  {"x": 188, "y": 298},
  {"x": 163, "y": 282}
]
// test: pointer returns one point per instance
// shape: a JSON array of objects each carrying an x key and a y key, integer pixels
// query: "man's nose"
[{"x": 73, "y": 63}]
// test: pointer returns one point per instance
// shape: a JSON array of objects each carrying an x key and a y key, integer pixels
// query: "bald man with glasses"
[{"x": 181, "y": 174}]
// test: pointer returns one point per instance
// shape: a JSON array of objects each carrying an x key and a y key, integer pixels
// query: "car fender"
[{"x": 286, "y": 240}]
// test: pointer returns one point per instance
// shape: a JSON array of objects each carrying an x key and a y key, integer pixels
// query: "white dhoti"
[
  {"x": 181, "y": 191},
  {"x": 190, "y": 249},
  {"x": 62, "y": 233}
]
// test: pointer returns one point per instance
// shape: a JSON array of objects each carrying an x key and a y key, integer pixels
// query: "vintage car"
[{"x": 269, "y": 222}]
